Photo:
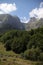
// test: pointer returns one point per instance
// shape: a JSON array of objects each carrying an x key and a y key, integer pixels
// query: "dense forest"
[{"x": 29, "y": 44}]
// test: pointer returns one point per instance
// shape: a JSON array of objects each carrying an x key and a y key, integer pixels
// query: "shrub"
[{"x": 32, "y": 54}]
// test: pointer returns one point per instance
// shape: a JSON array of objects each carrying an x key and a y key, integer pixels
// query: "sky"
[{"x": 24, "y": 9}]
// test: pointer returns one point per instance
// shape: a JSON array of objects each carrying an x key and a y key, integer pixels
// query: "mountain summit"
[
  {"x": 34, "y": 23},
  {"x": 8, "y": 22}
]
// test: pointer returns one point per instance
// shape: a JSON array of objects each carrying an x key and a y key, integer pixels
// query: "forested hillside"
[{"x": 29, "y": 44}]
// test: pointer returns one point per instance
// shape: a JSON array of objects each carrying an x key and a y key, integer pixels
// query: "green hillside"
[
  {"x": 10, "y": 58},
  {"x": 22, "y": 46}
]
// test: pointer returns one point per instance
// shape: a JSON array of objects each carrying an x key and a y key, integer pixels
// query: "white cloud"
[
  {"x": 37, "y": 12},
  {"x": 41, "y": 4},
  {"x": 24, "y": 20},
  {"x": 7, "y": 8}
]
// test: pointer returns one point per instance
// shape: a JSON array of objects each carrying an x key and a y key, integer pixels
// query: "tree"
[
  {"x": 8, "y": 45},
  {"x": 32, "y": 54},
  {"x": 18, "y": 45}
]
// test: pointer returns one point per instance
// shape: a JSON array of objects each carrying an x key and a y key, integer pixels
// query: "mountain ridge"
[
  {"x": 33, "y": 23},
  {"x": 9, "y": 22}
]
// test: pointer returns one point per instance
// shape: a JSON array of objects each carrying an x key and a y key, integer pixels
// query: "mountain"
[
  {"x": 8, "y": 22},
  {"x": 34, "y": 23}
]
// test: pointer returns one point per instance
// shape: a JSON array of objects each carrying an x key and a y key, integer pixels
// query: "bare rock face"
[
  {"x": 8, "y": 22},
  {"x": 33, "y": 24}
]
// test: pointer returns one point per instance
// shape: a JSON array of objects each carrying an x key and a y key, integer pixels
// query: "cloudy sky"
[{"x": 24, "y": 9}]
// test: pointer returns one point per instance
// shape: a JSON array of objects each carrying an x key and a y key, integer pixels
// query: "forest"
[{"x": 29, "y": 44}]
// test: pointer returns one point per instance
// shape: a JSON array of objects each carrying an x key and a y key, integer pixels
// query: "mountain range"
[{"x": 8, "y": 22}]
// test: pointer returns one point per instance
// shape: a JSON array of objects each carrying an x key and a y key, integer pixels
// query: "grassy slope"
[{"x": 10, "y": 58}]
